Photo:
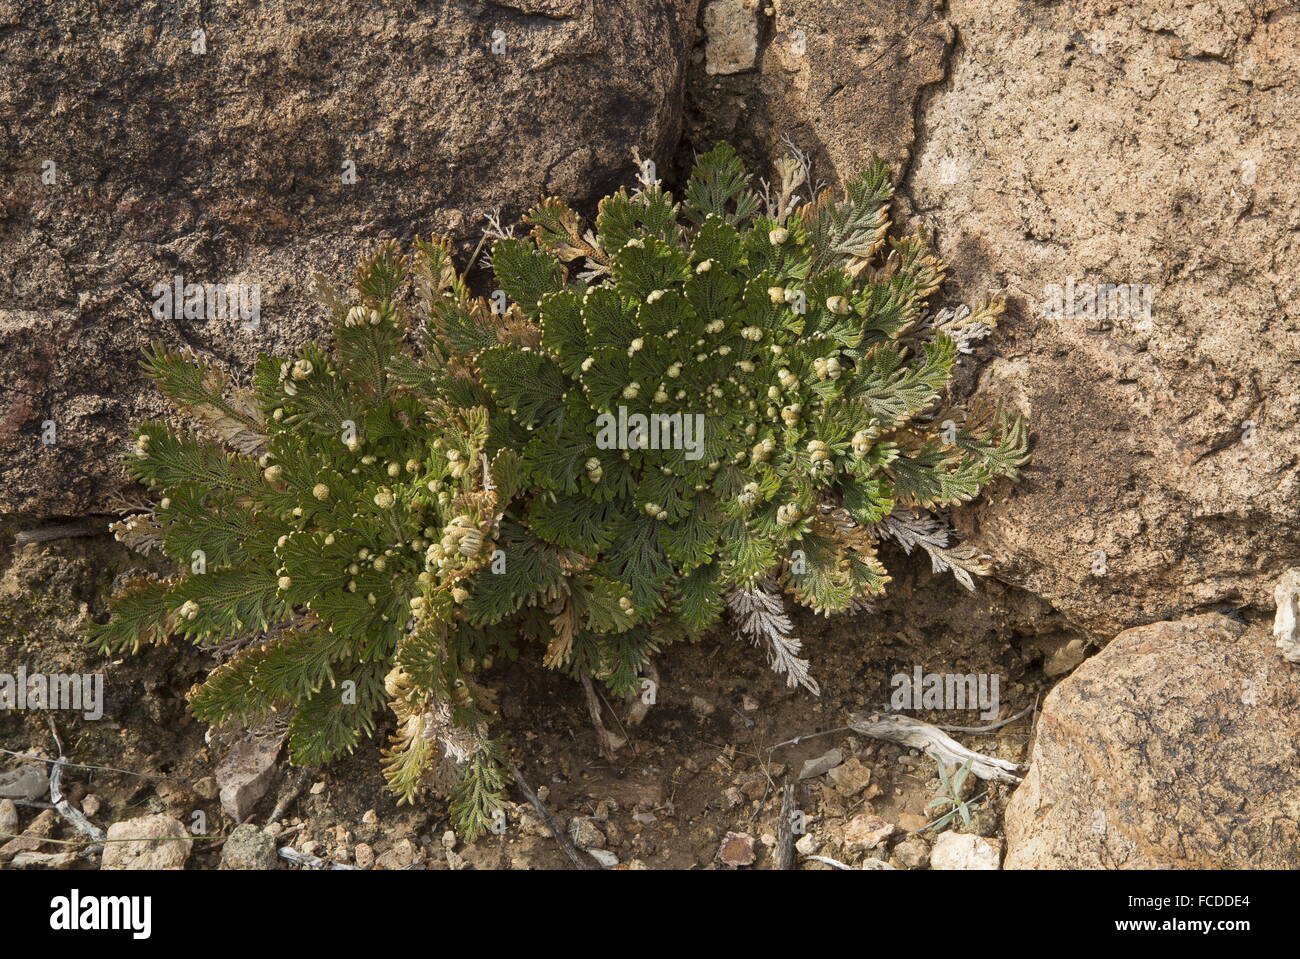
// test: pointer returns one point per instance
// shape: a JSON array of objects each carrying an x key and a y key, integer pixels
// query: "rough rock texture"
[
  {"x": 1176, "y": 746},
  {"x": 231, "y": 165},
  {"x": 953, "y": 850},
  {"x": 841, "y": 77},
  {"x": 1145, "y": 145},
  {"x": 731, "y": 31},
  {"x": 246, "y": 772},
  {"x": 1148, "y": 144},
  {"x": 162, "y": 843},
  {"x": 248, "y": 847},
  {"x": 1286, "y": 619}
]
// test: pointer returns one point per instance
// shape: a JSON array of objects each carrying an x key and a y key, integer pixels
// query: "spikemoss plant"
[{"x": 695, "y": 406}]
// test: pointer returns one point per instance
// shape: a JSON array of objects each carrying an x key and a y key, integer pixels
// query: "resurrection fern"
[
  {"x": 690, "y": 407},
  {"x": 722, "y": 405},
  {"x": 342, "y": 523}
]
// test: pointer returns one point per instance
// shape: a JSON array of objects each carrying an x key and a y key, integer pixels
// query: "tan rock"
[
  {"x": 866, "y": 831},
  {"x": 156, "y": 842},
  {"x": 1176, "y": 746},
  {"x": 731, "y": 35},
  {"x": 850, "y": 777},
  {"x": 403, "y": 855},
  {"x": 30, "y": 840},
  {"x": 953, "y": 850}
]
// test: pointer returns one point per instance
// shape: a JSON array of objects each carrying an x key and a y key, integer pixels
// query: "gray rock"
[
  {"x": 812, "y": 768},
  {"x": 585, "y": 833},
  {"x": 157, "y": 842},
  {"x": 246, "y": 773},
  {"x": 606, "y": 858},
  {"x": 248, "y": 847},
  {"x": 28, "y": 782}
]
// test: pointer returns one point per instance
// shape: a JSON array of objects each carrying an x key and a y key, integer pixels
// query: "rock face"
[
  {"x": 1177, "y": 746},
  {"x": 1057, "y": 148},
  {"x": 841, "y": 78},
  {"x": 1147, "y": 148},
  {"x": 253, "y": 145},
  {"x": 161, "y": 843}
]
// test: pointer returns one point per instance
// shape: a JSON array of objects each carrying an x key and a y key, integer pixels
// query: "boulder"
[
  {"x": 1176, "y": 746},
  {"x": 1049, "y": 148},
  {"x": 255, "y": 146},
  {"x": 1124, "y": 175}
]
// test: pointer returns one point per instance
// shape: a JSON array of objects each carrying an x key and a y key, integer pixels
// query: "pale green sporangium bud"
[
  {"x": 321, "y": 492},
  {"x": 631, "y": 391},
  {"x": 752, "y": 333},
  {"x": 778, "y": 235},
  {"x": 837, "y": 304},
  {"x": 861, "y": 443},
  {"x": 787, "y": 515},
  {"x": 142, "y": 445},
  {"x": 357, "y": 316},
  {"x": 302, "y": 369},
  {"x": 655, "y": 296},
  {"x": 704, "y": 266},
  {"x": 776, "y": 294},
  {"x": 272, "y": 474},
  {"x": 385, "y": 499}
]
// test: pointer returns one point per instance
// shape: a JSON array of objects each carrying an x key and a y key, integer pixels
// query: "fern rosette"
[{"x": 694, "y": 407}]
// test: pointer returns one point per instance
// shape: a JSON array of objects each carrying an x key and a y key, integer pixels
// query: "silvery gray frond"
[
  {"x": 958, "y": 325},
  {"x": 931, "y": 534},
  {"x": 759, "y": 614}
]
